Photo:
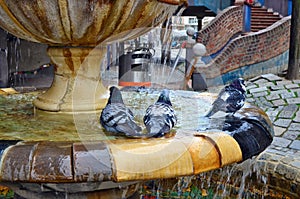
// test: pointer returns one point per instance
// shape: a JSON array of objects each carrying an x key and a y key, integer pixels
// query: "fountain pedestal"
[
  {"x": 77, "y": 85},
  {"x": 76, "y": 27}
]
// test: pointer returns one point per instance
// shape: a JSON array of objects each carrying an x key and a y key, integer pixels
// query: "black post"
[
  {"x": 199, "y": 22},
  {"x": 294, "y": 53}
]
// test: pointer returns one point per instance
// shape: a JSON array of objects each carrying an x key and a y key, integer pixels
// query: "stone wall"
[{"x": 221, "y": 29}]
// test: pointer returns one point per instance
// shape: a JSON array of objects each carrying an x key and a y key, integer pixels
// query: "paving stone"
[
  {"x": 287, "y": 160},
  {"x": 251, "y": 86},
  {"x": 291, "y": 173},
  {"x": 277, "y": 87},
  {"x": 291, "y": 86},
  {"x": 295, "y": 164},
  {"x": 272, "y": 113},
  {"x": 268, "y": 104},
  {"x": 261, "y": 165},
  {"x": 265, "y": 102},
  {"x": 284, "y": 82},
  {"x": 271, "y": 166},
  {"x": 278, "y": 131},
  {"x": 297, "y": 117},
  {"x": 297, "y": 92},
  {"x": 293, "y": 100},
  {"x": 250, "y": 100},
  {"x": 260, "y": 94},
  {"x": 282, "y": 142},
  {"x": 279, "y": 102},
  {"x": 287, "y": 95},
  {"x": 280, "y": 91},
  {"x": 297, "y": 155},
  {"x": 296, "y": 81},
  {"x": 257, "y": 90},
  {"x": 273, "y": 96},
  {"x": 288, "y": 111},
  {"x": 292, "y": 151},
  {"x": 292, "y": 135},
  {"x": 249, "y": 95},
  {"x": 265, "y": 155},
  {"x": 276, "y": 158},
  {"x": 294, "y": 127},
  {"x": 281, "y": 169},
  {"x": 271, "y": 77},
  {"x": 268, "y": 84},
  {"x": 282, "y": 122},
  {"x": 272, "y": 118},
  {"x": 295, "y": 145}
]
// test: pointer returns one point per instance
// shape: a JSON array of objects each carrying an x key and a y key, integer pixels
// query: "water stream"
[{"x": 245, "y": 180}]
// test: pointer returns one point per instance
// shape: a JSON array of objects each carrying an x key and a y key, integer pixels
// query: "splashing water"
[{"x": 246, "y": 180}]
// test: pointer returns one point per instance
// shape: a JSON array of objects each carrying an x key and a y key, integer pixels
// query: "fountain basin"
[{"x": 64, "y": 161}]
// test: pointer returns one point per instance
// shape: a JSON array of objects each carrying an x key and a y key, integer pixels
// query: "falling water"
[
  {"x": 180, "y": 49},
  {"x": 245, "y": 180},
  {"x": 174, "y": 65},
  {"x": 14, "y": 60}
]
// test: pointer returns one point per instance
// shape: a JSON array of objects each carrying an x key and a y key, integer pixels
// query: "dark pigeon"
[
  {"x": 230, "y": 99},
  {"x": 117, "y": 118},
  {"x": 160, "y": 117}
]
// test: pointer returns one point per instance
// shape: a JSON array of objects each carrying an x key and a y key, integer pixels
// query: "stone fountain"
[{"x": 77, "y": 33}]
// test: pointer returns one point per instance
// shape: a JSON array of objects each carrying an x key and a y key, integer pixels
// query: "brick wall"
[
  {"x": 224, "y": 26},
  {"x": 251, "y": 49}
]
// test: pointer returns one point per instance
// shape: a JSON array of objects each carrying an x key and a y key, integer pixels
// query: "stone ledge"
[{"x": 187, "y": 153}]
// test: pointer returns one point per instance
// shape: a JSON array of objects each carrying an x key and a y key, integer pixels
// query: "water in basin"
[{"x": 19, "y": 120}]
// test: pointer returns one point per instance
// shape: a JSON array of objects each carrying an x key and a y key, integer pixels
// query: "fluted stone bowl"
[{"x": 77, "y": 32}]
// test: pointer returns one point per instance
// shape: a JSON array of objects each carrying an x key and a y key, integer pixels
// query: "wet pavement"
[{"x": 280, "y": 99}]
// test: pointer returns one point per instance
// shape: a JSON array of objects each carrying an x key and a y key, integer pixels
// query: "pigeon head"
[
  {"x": 164, "y": 97},
  {"x": 239, "y": 84},
  {"x": 115, "y": 95}
]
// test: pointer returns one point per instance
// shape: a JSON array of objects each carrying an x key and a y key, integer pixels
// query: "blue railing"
[{"x": 213, "y": 5}]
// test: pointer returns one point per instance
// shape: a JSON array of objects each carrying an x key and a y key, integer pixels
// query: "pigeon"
[
  {"x": 230, "y": 99},
  {"x": 117, "y": 118},
  {"x": 160, "y": 117}
]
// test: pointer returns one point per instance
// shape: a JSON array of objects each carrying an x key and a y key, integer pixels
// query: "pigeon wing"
[
  {"x": 117, "y": 118},
  {"x": 159, "y": 119},
  {"x": 235, "y": 101}
]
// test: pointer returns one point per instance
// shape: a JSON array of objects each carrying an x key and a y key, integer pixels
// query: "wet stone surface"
[
  {"x": 283, "y": 155},
  {"x": 92, "y": 162}
]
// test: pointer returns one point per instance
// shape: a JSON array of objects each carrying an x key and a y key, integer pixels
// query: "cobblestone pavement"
[{"x": 280, "y": 99}]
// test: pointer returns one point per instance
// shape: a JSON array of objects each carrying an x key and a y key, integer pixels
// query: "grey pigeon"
[
  {"x": 116, "y": 117},
  {"x": 160, "y": 117},
  {"x": 230, "y": 99}
]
